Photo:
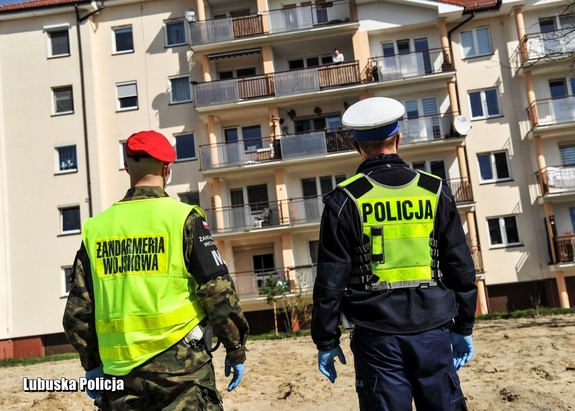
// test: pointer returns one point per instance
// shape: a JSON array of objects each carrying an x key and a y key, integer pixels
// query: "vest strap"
[{"x": 384, "y": 285}]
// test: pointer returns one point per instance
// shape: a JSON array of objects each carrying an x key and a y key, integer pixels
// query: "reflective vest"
[
  {"x": 398, "y": 223},
  {"x": 145, "y": 299}
]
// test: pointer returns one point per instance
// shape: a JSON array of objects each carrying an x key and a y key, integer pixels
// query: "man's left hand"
[
  {"x": 238, "y": 371},
  {"x": 462, "y": 349}
]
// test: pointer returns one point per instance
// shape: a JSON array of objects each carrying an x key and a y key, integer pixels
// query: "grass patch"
[
  {"x": 15, "y": 362},
  {"x": 282, "y": 336},
  {"x": 531, "y": 313}
]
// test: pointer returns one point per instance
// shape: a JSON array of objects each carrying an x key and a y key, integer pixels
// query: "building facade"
[{"x": 250, "y": 96}]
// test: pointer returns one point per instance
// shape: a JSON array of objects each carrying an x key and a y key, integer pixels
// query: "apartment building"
[{"x": 250, "y": 97}]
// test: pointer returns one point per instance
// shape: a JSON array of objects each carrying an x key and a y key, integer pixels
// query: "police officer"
[
  {"x": 148, "y": 286},
  {"x": 393, "y": 259}
]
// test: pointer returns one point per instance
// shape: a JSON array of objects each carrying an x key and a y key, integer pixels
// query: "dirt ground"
[{"x": 525, "y": 364}]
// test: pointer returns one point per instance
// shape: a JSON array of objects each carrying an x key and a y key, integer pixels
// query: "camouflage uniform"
[{"x": 182, "y": 377}]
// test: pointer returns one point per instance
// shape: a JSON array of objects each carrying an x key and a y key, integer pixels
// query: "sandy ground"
[{"x": 526, "y": 364}]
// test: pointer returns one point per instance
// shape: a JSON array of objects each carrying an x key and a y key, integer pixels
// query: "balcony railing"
[
  {"x": 278, "y": 21},
  {"x": 565, "y": 248},
  {"x": 426, "y": 128},
  {"x": 413, "y": 64},
  {"x": 266, "y": 149},
  {"x": 251, "y": 285},
  {"x": 552, "y": 111},
  {"x": 461, "y": 189},
  {"x": 256, "y": 216},
  {"x": 555, "y": 179},
  {"x": 278, "y": 84},
  {"x": 545, "y": 46}
]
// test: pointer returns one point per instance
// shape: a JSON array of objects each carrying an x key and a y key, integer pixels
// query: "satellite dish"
[
  {"x": 462, "y": 125},
  {"x": 190, "y": 15}
]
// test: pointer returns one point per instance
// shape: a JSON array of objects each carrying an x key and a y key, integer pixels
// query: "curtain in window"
[
  {"x": 176, "y": 32},
  {"x": 67, "y": 158},
  {"x": 181, "y": 89}
]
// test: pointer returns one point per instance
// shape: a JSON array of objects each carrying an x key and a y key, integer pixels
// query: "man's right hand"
[
  {"x": 326, "y": 363},
  {"x": 97, "y": 372}
]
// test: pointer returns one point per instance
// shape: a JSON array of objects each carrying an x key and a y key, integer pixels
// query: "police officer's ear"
[
  {"x": 398, "y": 139},
  {"x": 356, "y": 146}
]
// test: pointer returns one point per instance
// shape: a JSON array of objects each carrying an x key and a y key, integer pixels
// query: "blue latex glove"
[
  {"x": 92, "y": 375},
  {"x": 462, "y": 349},
  {"x": 238, "y": 371},
  {"x": 326, "y": 364}
]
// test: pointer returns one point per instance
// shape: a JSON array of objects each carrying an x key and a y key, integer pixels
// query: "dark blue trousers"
[{"x": 392, "y": 370}]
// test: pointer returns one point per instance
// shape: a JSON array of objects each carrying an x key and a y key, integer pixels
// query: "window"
[
  {"x": 58, "y": 42},
  {"x": 484, "y": 103},
  {"x": 493, "y": 167},
  {"x": 66, "y": 159},
  {"x": 66, "y": 285},
  {"x": 191, "y": 198},
  {"x": 567, "y": 155},
  {"x": 180, "y": 90},
  {"x": 123, "y": 157},
  {"x": 70, "y": 220},
  {"x": 310, "y": 62},
  {"x": 127, "y": 95},
  {"x": 252, "y": 136},
  {"x": 244, "y": 72},
  {"x": 503, "y": 231},
  {"x": 185, "y": 147},
  {"x": 123, "y": 40},
  {"x": 313, "y": 251},
  {"x": 435, "y": 167},
  {"x": 175, "y": 33},
  {"x": 475, "y": 42},
  {"x": 258, "y": 197},
  {"x": 63, "y": 100}
]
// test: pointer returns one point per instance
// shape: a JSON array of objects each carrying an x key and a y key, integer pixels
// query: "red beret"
[{"x": 150, "y": 144}]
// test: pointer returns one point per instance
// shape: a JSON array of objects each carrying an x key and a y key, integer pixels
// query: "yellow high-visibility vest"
[
  {"x": 399, "y": 222},
  {"x": 145, "y": 299}
]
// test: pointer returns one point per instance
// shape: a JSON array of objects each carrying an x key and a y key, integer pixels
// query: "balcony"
[
  {"x": 268, "y": 149},
  {"x": 555, "y": 180},
  {"x": 426, "y": 128},
  {"x": 278, "y": 84},
  {"x": 262, "y": 215},
  {"x": 461, "y": 190},
  {"x": 564, "y": 249},
  {"x": 277, "y": 21},
  {"x": 251, "y": 285},
  {"x": 406, "y": 65},
  {"x": 546, "y": 46},
  {"x": 553, "y": 111}
]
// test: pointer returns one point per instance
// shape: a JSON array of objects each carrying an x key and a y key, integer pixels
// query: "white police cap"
[{"x": 374, "y": 118}]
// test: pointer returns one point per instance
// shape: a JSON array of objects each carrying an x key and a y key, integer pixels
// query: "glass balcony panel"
[
  {"x": 296, "y": 81},
  {"x": 291, "y": 19},
  {"x": 216, "y": 92},
  {"x": 212, "y": 31},
  {"x": 303, "y": 145}
]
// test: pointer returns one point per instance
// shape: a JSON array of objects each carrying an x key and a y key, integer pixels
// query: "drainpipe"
[
  {"x": 452, "y": 59},
  {"x": 79, "y": 20}
]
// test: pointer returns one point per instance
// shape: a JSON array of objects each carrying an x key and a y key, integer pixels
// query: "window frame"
[
  {"x": 64, "y": 273},
  {"x": 118, "y": 98},
  {"x": 475, "y": 43},
  {"x": 493, "y": 167},
  {"x": 55, "y": 111},
  {"x": 172, "y": 101},
  {"x": 189, "y": 194},
  {"x": 166, "y": 42},
  {"x": 122, "y": 153},
  {"x": 58, "y": 160},
  {"x": 61, "y": 210},
  {"x": 178, "y": 159},
  {"x": 503, "y": 232},
  {"x": 115, "y": 42},
  {"x": 484, "y": 104},
  {"x": 56, "y": 29}
]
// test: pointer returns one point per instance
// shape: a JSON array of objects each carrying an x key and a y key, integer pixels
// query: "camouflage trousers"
[{"x": 181, "y": 378}]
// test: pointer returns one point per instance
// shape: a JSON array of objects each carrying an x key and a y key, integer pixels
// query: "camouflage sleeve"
[
  {"x": 224, "y": 311},
  {"x": 78, "y": 321},
  {"x": 216, "y": 289}
]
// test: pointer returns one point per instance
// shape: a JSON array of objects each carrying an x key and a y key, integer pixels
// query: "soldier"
[
  {"x": 148, "y": 287},
  {"x": 393, "y": 258}
]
